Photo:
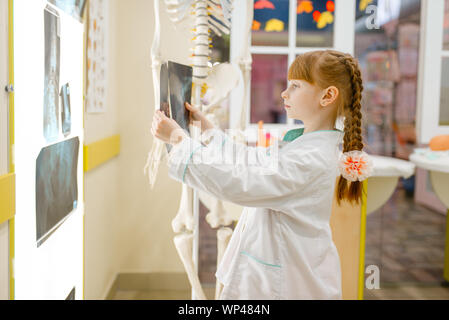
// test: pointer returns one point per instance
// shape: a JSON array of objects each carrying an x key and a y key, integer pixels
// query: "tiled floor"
[
  {"x": 404, "y": 240},
  {"x": 161, "y": 294},
  {"x": 413, "y": 291}
]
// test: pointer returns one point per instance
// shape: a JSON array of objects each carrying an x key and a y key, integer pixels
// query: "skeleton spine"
[{"x": 201, "y": 41}]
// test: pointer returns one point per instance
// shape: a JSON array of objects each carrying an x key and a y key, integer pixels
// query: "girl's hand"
[
  {"x": 166, "y": 129},
  {"x": 198, "y": 119}
]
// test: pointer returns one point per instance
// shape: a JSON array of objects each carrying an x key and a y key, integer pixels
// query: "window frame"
[
  {"x": 431, "y": 55},
  {"x": 344, "y": 33}
]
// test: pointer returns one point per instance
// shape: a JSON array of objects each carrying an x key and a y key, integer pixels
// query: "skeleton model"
[{"x": 202, "y": 17}]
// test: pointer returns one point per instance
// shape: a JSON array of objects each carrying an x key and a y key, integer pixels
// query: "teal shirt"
[{"x": 295, "y": 133}]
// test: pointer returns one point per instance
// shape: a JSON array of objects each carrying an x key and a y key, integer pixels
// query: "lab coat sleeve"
[{"x": 248, "y": 176}]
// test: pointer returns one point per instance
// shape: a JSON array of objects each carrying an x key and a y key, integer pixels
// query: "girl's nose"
[{"x": 284, "y": 94}]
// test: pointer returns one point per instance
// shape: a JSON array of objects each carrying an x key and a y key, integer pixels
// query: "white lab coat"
[{"x": 282, "y": 246}]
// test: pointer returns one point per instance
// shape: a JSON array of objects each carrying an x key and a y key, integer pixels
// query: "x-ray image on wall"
[
  {"x": 71, "y": 295},
  {"x": 66, "y": 119},
  {"x": 56, "y": 186},
  {"x": 51, "y": 80},
  {"x": 75, "y": 8}
]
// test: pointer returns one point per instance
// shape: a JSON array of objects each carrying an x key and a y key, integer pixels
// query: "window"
[
  {"x": 282, "y": 29},
  {"x": 270, "y": 23},
  {"x": 268, "y": 80},
  {"x": 433, "y": 88},
  {"x": 443, "y": 119},
  {"x": 444, "y": 95},
  {"x": 315, "y": 24},
  {"x": 388, "y": 53},
  {"x": 446, "y": 26}
]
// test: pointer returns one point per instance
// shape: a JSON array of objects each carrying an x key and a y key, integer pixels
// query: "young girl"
[{"x": 282, "y": 246}]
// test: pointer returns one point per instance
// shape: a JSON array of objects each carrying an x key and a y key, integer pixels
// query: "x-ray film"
[
  {"x": 66, "y": 118},
  {"x": 164, "y": 105},
  {"x": 175, "y": 90},
  {"x": 180, "y": 91},
  {"x": 75, "y": 8},
  {"x": 56, "y": 186},
  {"x": 51, "y": 80},
  {"x": 164, "y": 98}
]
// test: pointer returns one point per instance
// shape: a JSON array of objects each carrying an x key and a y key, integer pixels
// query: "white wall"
[
  {"x": 128, "y": 225},
  {"x": 102, "y": 249},
  {"x": 51, "y": 270}
]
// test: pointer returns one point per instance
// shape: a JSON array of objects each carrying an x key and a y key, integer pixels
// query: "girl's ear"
[{"x": 330, "y": 95}]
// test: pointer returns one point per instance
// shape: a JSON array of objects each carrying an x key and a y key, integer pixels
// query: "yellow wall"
[{"x": 127, "y": 225}]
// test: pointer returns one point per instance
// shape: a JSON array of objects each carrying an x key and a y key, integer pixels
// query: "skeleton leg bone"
[
  {"x": 183, "y": 243},
  {"x": 184, "y": 217},
  {"x": 217, "y": 215}
]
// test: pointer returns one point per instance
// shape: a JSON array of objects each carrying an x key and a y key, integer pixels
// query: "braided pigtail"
[
  {"x": 325, "y": 68},
  {"x": 352, "y": 140}
]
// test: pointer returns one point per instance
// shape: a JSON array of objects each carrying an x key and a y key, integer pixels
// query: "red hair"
[{"x": 326, "y": 68}]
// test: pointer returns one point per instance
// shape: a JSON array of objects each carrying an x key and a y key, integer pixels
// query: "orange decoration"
[
  {"x": 264, "y": 4},
  {"x": 274, "y": 25},
  {"x": 260, "y": 135},
  {"x": 330, "y": 6},
  {"x": 304, "y": 6},
  {"x": 316, "y": 15},
  {"x": 325, "y": 18},
  {"x": 256, "y": 25},
  {"x": 439, "y": 143}
]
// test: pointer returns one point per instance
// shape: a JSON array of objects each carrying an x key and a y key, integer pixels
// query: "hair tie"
[{"x": 355, "y": 165}]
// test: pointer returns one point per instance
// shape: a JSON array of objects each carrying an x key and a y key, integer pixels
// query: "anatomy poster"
[
  {"x": 51, "y": 78},
  {"x": 96, "y": 83},
  {"x": 56, "y": 185}
]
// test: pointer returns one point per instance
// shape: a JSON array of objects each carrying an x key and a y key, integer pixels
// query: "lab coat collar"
[{"x": 330, "y": 137}]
